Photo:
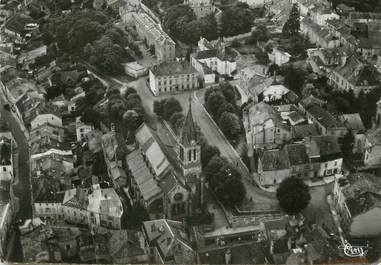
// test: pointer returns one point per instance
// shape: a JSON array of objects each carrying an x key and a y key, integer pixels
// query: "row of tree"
[{"x": 220, "y": 102}]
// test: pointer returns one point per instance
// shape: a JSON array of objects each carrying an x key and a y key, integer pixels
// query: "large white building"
[
  {"x": 221, "y": 60},
  {"x": 151, "y": 32},
  {"x": 173, "y": 77}
]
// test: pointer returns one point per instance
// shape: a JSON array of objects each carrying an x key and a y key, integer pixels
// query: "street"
[{"x": 22, "y": 187}]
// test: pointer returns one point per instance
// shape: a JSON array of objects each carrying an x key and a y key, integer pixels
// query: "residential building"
[
  {"x": 274, "y": 92},
  {"x": 82, "y": 129},
  {"x": 300, "y": 164},
  {"x": 46, "y": 130},
  {"x": 357, "y": 199},
  {"x": 354, "y": 75},
  {"x": 172, "y": 77},
  {"x": 320, "y": 14},
  {"x": 372, "y": 156},
  {"x": 363, "y": 17},
  {"x": 43, "y": 119},
  {"x": 28, "y": 58},
  {"x": 323, "y": 59},
  {"x": 343, "y": 10},
  {"x": 273, "y": 167},
  {"x": 19, "y": 26},
  {"x": 326, "y": 152},
  {"x": 201, "y": 8},
  {"x": 135, "y": 69},
  {"x": 153, "y": 34},
  {"x": 353, "y": 122},
  {"x": 6, "y": 159},
  {"x": 318, "y": 35},
  {"x": 113, "y": 150},
  {"x": 74, "y": 206},
  {"x": 326, "y": 123},
  {"x": 301, "y": 131},
  {"x": 264, "y": 127},
  {"x": 104, "y": 208},
  {"x": 279, "y": 57},
  {"x": 169, "y": 242},
  {"x": 256, "y": 3},
  {"x": 221, "y": 60}
]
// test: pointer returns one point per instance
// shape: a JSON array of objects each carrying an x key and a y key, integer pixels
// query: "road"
[{"x": 22, "y": 188}]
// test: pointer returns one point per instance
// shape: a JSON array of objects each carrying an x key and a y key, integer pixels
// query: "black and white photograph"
[{"x": 190, "y": 132}]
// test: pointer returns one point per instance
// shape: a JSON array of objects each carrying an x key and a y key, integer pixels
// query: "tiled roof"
[
  {"x": 358, "y": 73},
  {"x": 274, "y": 160},
  {"x": 325, "y": 118},
  {"x": 76, "y": 198},
  {"x": 304, "y": 130},
  {"x": 152, "y": 150},
  {"x": 352, "y": 121},
  {"x": 324, "y": 146},
  {"x": 173, "y": 68},
  {"x": 224, "y": 54},
  {"x": 142, "y": 175},
  {"x": 167, "y": 235},
  {"x": 17, "y": 23},
  {"x": 297, "y": 154}
]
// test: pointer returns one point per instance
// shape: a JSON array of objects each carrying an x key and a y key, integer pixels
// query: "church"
[{"x": 167, "y": 180}]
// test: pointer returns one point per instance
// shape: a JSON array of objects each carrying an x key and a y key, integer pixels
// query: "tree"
[
  {"x": 293, "y": 195},
  {"x": 171, "y": 105},
  {"x": 176, "y": 121},
  {"x": 129, "y": 91},
  {"x": 225, "y": 181},
  {"x": 259, "y": 34},
  {"x": 207, "y": 153},
  {"x": 292, "y": 25},
  {"x": 176, "y": 18},
  {"x": 294, "y": 78},
  {"x": 236, "y": 19},
  {"x": 91, "y": 116},
  {"x": 214, "y": 101},
  {"x": 225, "y": 107},
  {"x": 228, "y": 91},
  {"x": 131, "y": 120},
  {"x": 230, "y": 125},
  {"x": 158, "y": 107}
]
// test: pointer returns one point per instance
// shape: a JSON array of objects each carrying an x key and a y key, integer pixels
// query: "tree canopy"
[
  {"x": 293, "y": 195},
  {"x": 237, "y": 19},
  {"x": 225, "y": 181},
  {"x": 182, "y": 24},
  {"x": 292, "y": 25}
]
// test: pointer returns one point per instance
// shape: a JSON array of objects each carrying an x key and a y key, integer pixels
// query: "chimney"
[{"x": 228, "y": 256}]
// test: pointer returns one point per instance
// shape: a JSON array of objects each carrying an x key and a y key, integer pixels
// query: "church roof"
[{"x": 188, "y": 132}]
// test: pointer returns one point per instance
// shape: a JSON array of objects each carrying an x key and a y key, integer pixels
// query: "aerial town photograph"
[{"x": 190, "y": 131}]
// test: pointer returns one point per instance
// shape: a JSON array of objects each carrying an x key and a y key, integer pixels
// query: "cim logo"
[{"x": 354, "y": 251}]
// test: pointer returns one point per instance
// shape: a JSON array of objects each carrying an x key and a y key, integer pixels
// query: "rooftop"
[
  {"x": 322, "y": 146},
  {"x": 152, "y": 150},
  {"x": 5, "y": 151},
  {"x": 297, "y": 154},
  {"x": 173, "y": 69},
  {"x": 323, "y": 117},
  {"x": 142, "y": 175},
  {"x": 274, "y": 160},
  {"x": 301, "y": 131},
  {"x": 352, "y": 121},
  {"x": 224, "y": 54}
]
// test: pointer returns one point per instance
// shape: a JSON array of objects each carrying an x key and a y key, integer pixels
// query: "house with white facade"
[
  {"x": 82, "y": 129},
  {"x": 42, "y": 119},
  {"x": 221, "y": 60}
]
